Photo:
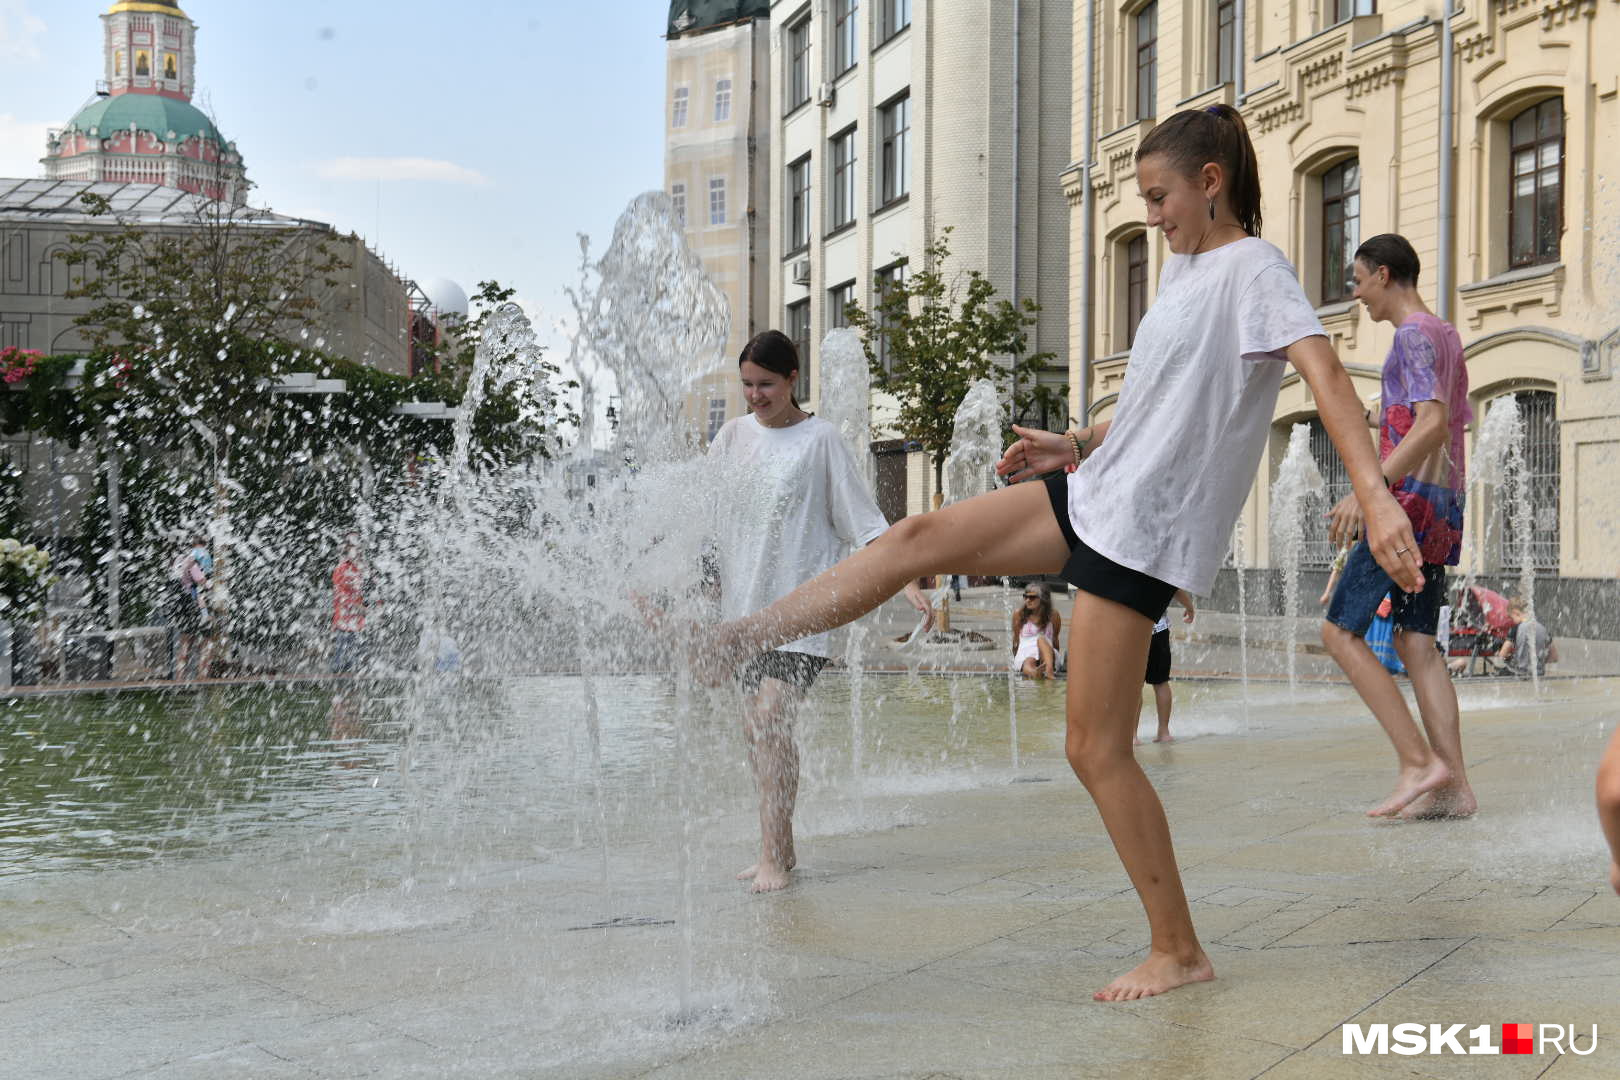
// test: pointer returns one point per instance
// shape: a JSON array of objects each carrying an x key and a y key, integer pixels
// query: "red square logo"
[{"x": 1518, "y": 1039}]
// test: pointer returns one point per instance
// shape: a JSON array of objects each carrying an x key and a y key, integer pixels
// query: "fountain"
[
  {"x": 1499, "y": 472},
  {"x": 1295, "y": 494}
]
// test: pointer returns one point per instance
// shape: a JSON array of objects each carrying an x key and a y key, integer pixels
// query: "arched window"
[
  {"x": 1341, "y": 228},
  {"x": 1136, "y": 279},
  {"x": 1318, "y": 551},
  {"x": 1542, "y": 466},
  {"x": 1536, "y": 181}
]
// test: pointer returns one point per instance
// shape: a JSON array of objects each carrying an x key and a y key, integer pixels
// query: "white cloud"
[
  {"x": 22, "y": 144},
  {"x": 20, "y": 30},
  {"x": 401, "y": 168}
]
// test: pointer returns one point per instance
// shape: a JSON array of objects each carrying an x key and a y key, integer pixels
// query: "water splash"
[{"x": 1295, "y": 493}]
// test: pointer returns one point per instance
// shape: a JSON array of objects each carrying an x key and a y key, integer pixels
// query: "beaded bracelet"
[{"x": 1078, "y": 445}]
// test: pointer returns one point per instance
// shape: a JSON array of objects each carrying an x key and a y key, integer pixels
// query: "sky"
[{"x": 463, "y": 141}]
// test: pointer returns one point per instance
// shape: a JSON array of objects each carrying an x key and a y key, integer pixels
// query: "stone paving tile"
[
  {"x": 141, "y": 1021},
  {"x": 245, "y": 1061}
]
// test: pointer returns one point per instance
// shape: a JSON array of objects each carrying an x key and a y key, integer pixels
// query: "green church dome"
[{"x": 148, "y": 112}]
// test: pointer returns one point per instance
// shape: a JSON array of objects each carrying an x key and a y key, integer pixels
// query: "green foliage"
[{"x": 932, "y": 336}]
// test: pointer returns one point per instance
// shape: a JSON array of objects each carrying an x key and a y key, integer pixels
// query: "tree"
[{"x": 930, "y": 336}]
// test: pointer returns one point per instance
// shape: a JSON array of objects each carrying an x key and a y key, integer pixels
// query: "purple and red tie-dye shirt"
[{"x": 1426, "y": 364}]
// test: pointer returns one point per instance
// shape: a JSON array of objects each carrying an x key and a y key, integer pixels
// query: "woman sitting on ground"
[{"x": 1035, "y": 630}]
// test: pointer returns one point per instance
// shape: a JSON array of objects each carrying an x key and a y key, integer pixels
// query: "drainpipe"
[
  {"x": 1087, "y": 239},
  {"x": 1239, "y": 51},
  {"x": 1446, "y": 270},
  {"x": 1017, "y": 177}
]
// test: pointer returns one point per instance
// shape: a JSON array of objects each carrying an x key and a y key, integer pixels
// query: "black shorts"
[
  {"x": 1158, "y": 666},
  {"x": 1099, "y": 575},
  {"x": 797, "y": 669}
]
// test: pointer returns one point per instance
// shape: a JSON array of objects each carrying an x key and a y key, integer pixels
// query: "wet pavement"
[{"x": 946, "y": 923}]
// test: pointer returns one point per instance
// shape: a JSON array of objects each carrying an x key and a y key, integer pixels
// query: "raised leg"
[
  {"x": 1009, "y": 531},
  {"x": 768, "y": 717},
  {"x": 1048, "y": 659},
  {"x": 1420, "y": 769},
  {"x": 1108, "y": 646}
]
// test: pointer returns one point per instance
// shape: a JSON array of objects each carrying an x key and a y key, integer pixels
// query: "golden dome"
[{"x": 156, "y": 7}]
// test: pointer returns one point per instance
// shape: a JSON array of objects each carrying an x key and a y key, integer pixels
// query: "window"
[
  {"x": 893, "y": 17},
  {"x": 717, "y": 201},
  {"x": 843, "y": 179},
  {"x": 798, "y": 69},
  {"x": 798, "y": 328},
  {"x": 1136, "y": 276},
  {"x": 118, "y": 62},
  {"x": 717, "y": 416},
  {"x": 722, "y": 100},
  {"x": 1346, "y": 9},
  {"x": 1225, "y": 39},
  {"x": 677, "y": 195},
  {"x": 1536, "y": 209},
  {"x": 143, "y": 63},
  {"x": 885, "y": 279},
  {"x": 846, "y": 37},
  {"x": 838, "y": 301},
  {"x": 1318, "y": 551},
  {"x": 1540, "y": 480},
  {"x": 1147, "y": 61},
  {"x": 171, "y": 67},
  {"x": 1341, "y": 229},
  {"x": 677, "y": 116},
  {"x": 798, "y": 224},
  {"x": 896, "y": 126}
]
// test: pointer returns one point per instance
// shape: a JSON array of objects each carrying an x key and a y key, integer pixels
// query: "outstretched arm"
[
  {"x": 1037, "y": 452},
  {"x": 1389, "y": 533}
]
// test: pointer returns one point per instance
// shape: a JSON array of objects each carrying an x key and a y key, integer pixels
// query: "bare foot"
[
  {"x": 1164, "y": 736},
  {"x": 752, "y": 872},
  {"x": 1409, "y": 785},
  {"x": 1443, "y": 803},
  {"x": 769, "y": 877},
  {"x": 1158, "y": 974}
]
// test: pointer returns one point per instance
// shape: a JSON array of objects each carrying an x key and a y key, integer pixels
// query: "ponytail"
[{"x": 1193, "y": 138}]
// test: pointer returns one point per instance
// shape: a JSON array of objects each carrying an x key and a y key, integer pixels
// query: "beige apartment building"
[
  {"x": 717, "y": 138},
  {"x": 891, "y": 120},
  {"x": 1344, "y": 100}
]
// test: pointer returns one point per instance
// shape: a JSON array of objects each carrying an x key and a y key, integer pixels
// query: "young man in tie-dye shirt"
[{"x": 1424, "y": 411}]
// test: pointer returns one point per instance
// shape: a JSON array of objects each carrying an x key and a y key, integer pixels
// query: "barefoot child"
[
  {"x": 1143, "y": 513},
  {"x": 1158, "y": 667},
  {"x": 1424, "y": 412},
  {"x": 799, "y": 503}
]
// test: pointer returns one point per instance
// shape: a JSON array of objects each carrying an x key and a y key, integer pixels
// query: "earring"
[{"x": 1212, "y": 209}]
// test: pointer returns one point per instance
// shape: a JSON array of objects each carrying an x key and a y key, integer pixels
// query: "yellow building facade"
[{"x": 1343, "y": 99}]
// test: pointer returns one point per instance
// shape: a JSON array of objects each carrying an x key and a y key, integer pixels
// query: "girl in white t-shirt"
[
  {"x": 797, "y": 505},
  {"x": 1148, "y": 500}
]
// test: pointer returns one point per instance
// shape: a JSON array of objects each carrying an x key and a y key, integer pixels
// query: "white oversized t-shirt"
[
  {"x": 795, "y": 505},
  {"x": 1163, "y": 490}
]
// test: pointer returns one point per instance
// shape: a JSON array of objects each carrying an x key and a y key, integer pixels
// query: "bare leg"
[
  {"x": 1608, "y": 800},
  {"x": 1031, "y": 669},
  {"x": 768, "y": 725},
  {"x": 1048, "y": 660},
  {"x": 1108, "y": 645},
  {"x": 1437, "y": 705},
  {"x": 1421, "y": 770},
  {"x": 1007, "y": 531},
  {"x": 1163, "y": 699}
]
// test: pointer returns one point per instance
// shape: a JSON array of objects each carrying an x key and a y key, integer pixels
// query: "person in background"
[
  {"x": 348, "y": 608},
  {"x": 1158, "y": 665},
  {"x": 187, "y": 609},
  {"x": 1608, "y": 802},
  {"x": 1036, "y": 631},
  {"x": 1527, "y": 653}
]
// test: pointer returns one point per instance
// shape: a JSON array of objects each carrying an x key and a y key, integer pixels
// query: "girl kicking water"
[{"x": 1149, "y": 503}]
